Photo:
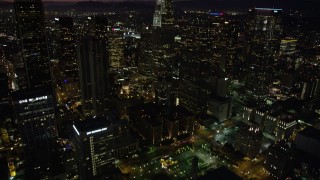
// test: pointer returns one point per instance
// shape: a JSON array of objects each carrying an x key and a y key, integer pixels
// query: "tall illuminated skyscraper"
[
  {"x": 34, "y": 104},
  {"x": 31, "y": 33},
  {"x": 163, "y": 14},
  {"x": 35, "y": 117},
  {"x": 67, "y": 78},
  {"x": 94, "y": 142},
  {"x": 262, "y": 46},
  {"x": 264, "y": 31},
  {"x": 116, "y": 45},
  {"x": 163, "y": 23},
  {"x": 163, "y": 50},
  {"x": 67, "y": 47}
]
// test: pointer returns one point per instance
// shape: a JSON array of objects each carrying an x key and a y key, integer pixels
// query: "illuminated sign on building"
[
  {"x": 215, "y": 13},
  {"x": 33, "y": 99},
  {"x": 74, "y": 127},
  {"x": 96, "y": 131}
]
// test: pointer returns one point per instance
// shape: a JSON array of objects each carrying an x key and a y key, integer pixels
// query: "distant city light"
[{"x": 216, "y": 14}]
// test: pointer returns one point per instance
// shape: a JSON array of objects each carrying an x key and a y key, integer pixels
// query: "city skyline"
[{"x": 161, "y": 89}]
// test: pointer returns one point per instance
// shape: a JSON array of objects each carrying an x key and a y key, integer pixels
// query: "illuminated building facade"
[
  {"x": 116, "y": 47},
  {"x": 248, "y": 140},
  {"x": 162, "y": 52},
  {"x": 285, "y": 127},
  {"x": 163, "y": 37},
  {"x": 31, "y": 33},
  {"x": 261, "y": 46},
  {"x": 35, "y": 117},
  {"x": 35, "y": 109},
  {"x": 94, "y": 143},
  {"x": 264, "y": 32},
  {"x": 163, "y": 14},
  {"x": 271, "y": 123},
  {"x": 67, "y": 57},
  {"x": 288, "y": 46}
]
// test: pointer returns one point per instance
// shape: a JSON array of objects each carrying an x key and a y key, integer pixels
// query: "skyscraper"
[
  {"x": 262, "y": 46},
  {"x": 67, "y": 77},
  {"x": 67, "y": 47},
  {"x": 264, "y": 30},
  {"x": 31, "y": 33},
  {"x": 116, "y": 47},
  {"x": 35, "y": 117},
  {"x": 163, "y": 50},
  {"x": 92, "y": 58},
  {"x": 163, "y": 14},
  {"x": 34, "y": 104},
  {"x": 94, "y": 147},
  {"x": 163, "y": 37}
]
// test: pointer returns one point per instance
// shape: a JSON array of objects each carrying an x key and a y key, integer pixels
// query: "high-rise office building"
[
  {"x": 116, "y": 45},
  {"x": 98, "y": 27},
  {"x": 162, "y": 52},
  {"x": 262, "y": 46},
  {"x": 34, "y": 104},
  {"x": 68, "y": 78},
  {"x": 92, "y": 58},
  {"x": 94, "y": 143},
  {"x": 163, "y": 14},
  {"x": 264, "y": 31},
  {"x": 67, "y": 47},
  {"x": 35, "y": 117},
  {"x": 31, "y": 33},
  {"x": 163, "y": 37},
  {"x": 288, "y": 46}
]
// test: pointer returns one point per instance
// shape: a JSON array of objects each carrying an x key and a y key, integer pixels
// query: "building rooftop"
[
  {"x": 95, "y": 123},
  {"x": 125, "y": 140},
  {"x": 283, "y": 147}
]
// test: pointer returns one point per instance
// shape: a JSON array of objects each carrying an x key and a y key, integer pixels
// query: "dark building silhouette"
[
  {"x": 34, "y": 104},
  {"x": 280, "y": 158},
  {"x": 92, "y": 58},
  {"x": 308, "y": 140},
  {"x": 31, "y": 33}
]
